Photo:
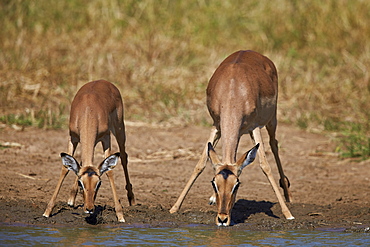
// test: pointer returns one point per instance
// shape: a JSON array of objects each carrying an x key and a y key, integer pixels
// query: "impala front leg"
[
  {"x": 197, "y": 171},
  {"x": 117, "y": 205},
  {"x": 267, "y": 171},
  {"x": 72, "y": 144},
  {"x": 51, "y": 203}
]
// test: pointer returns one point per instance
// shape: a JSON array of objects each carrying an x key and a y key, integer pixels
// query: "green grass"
[
  {"x": 355, "y": 145},
  {"x": 21, "y": 120},
  {"x": 353, "y": 141},
  {"x": 162, "y": 53},
  {"x": 41, "y": 119}
]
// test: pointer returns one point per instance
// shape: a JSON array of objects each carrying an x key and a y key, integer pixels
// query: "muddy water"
[{"x": 11, "y": 235}]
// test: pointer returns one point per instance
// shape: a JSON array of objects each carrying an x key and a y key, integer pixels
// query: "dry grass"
[{"x": 162, "y": 53}]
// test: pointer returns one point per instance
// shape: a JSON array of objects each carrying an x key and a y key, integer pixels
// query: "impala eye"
[
  {"x": 81, "y": 185},
  {"x": 214, "y": 186},
  {"x": 236, "y": 187},
  {"x": 98, "y": 186}
]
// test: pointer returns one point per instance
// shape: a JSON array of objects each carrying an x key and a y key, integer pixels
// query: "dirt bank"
[{"x": 328, "y": 192}]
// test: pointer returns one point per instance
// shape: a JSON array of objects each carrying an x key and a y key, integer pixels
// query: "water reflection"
[
  {"x": 77, "y": 236},
  {"x": 188, "y": 236}
]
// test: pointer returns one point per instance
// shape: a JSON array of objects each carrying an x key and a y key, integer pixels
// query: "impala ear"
[
  {"x": 109, "y": 163},
  {"x": 213, "y": 156},
  {"x": 70, "y": 163},
  {"x": 247, "y": 158}
]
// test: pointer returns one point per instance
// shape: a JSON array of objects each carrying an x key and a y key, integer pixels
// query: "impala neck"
[
  {"x": 88, "y": 127},
  {"x": 230, "y": 127}
]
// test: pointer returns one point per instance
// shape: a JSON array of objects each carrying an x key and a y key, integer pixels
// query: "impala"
[
  {"x": 241, "y": 99},
  {"x": 96, "y": 111}
]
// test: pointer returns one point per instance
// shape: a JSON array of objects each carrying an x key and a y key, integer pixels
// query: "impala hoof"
[
  {"x": 212, "y": 200},
  {"x": 173, "y": 210}
]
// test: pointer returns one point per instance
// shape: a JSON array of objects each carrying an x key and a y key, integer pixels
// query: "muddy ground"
[{"x": 328, "y": 192}]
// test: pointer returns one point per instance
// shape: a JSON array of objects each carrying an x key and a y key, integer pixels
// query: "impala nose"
[
  {"x": 222, "y": 220},
  {"x": 89, "y": 210}
]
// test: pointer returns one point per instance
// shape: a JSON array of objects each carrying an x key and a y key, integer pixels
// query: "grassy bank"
[{"x": 162, "y": 53}]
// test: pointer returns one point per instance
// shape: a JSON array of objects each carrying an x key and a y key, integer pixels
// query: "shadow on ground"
[{"x": 243, "y": 209}]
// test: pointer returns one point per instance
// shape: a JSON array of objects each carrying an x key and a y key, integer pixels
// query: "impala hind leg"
[
  {"x": 267, "y": 171},
  {"x": 121, "y": 140},
  {"x": 214, "y": 136},
  {"x": 73, "y": 193},
  {"x": 284, "y": 181}
]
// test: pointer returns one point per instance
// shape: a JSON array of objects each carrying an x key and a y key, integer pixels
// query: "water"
[{"x": 187, "y": 236}]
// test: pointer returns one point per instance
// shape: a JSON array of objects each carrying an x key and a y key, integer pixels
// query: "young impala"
[
  {"x": 241, "y": 99},
  {"x": 96, "y": 111}
]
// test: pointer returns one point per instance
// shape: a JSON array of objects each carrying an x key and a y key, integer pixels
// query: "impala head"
[
  {"x": 89, "y": 177},
  {"x": 226, "y": 182}
]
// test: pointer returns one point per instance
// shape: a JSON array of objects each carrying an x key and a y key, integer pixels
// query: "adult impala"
[
  {"x": 241, "y": 99},
  {"x": 96, "y": 111}
]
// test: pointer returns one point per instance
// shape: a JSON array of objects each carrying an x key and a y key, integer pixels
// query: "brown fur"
[
  {"x": 241, "y": 99},
  {"x": 96, "y": 111}
]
